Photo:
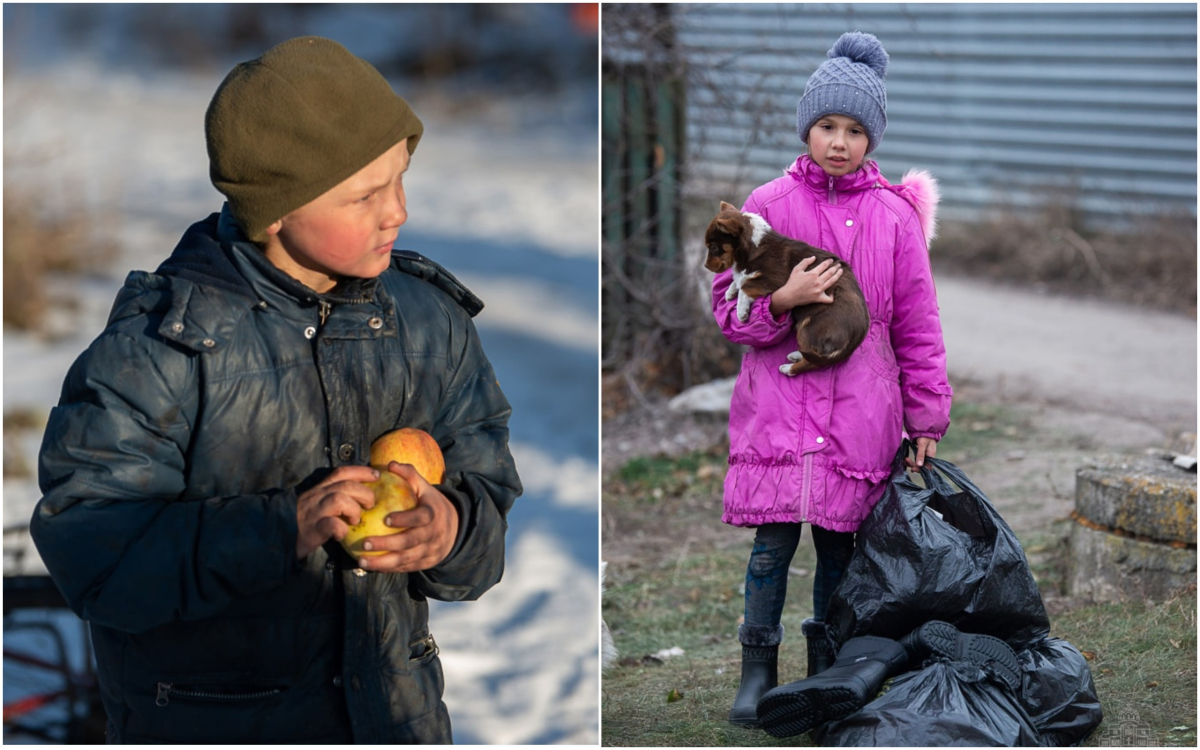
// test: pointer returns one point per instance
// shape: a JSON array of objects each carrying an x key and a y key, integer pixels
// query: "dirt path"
[
  {"x": 1056, "y": 380},
  {"x": 1083, "y": 354}
]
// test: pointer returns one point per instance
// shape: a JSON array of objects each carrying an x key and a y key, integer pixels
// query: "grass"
[
  {"x": 675, "y": 578},
  {"x": 1143, "y": 659}
]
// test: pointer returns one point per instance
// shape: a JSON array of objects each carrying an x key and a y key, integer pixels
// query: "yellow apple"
[
  {"x": 392, "y": 494},
  {"x": 409, "y": 445}
]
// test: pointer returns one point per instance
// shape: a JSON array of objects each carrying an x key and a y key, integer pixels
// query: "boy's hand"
[
  {"x": 806, "y": 286},
  {"x": 332, "y": 506},
  {"x": 431, "y": 529}
]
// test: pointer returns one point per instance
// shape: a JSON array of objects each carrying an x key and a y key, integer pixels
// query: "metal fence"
[{"x": 1003, "y": 103}]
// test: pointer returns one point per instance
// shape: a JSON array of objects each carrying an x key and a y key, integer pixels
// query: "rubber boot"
[
  {"x": 820, "y": 650},
  {"x": 861, "y": 666},
  {"x": 760, "y": 672},
  {"x": 995, "y": 657}
]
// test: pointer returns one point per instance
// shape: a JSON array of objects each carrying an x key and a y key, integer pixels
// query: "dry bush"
[
  {"x": 37, "y": 245},
  {"x": 659, "y": 336},
  {"x": 1150, "y": 261}
]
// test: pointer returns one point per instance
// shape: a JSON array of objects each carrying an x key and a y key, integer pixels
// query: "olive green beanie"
[{"x": 286, "y": 127}]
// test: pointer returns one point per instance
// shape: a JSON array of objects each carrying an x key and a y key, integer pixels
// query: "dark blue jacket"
[{"x": 220, "y": 389}]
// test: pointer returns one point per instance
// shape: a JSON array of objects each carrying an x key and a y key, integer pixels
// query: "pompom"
[{"x": 861, "y": 48}]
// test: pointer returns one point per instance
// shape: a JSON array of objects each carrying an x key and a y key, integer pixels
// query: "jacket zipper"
[
  {"x": 806, "y": 488},
  {"x": 832, "y": 193},
  {"x": 167, "y": 689},
  {"x": 430, "y": 645},
  {"x": 324, "y": 308}
]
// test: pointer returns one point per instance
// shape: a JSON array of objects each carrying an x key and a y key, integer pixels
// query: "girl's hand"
[
  {"x": 430, "y": 530},
  {"x": 332, "y": 506},
  {"x": 926, "y": 447},
  {"x": 805, "y": 286}
]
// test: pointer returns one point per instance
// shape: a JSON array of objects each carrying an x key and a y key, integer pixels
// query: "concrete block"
[
  {"x": 1103, "y": 566},
  {"x": 1145, "y": 497}
]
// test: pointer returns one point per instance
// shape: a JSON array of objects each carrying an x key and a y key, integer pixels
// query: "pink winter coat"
[{"x": 818, "y": 447}]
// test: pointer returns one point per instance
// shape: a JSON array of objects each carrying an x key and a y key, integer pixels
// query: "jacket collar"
[
  {"x": 269, "y": 281},
  {"x": 215, "y": 276},
  {"x": 807, "y": 171}
]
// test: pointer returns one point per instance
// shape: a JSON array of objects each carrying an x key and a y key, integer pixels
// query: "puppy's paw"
[
  {"x": 795, "y": 357},
  {"x": 731, "y": 292},
  {"x": 743, "y": 306},
  {"x": 787, "y": 370}
]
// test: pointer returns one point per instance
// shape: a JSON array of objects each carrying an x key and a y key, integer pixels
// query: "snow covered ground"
[{"x": 504, "y": 192}]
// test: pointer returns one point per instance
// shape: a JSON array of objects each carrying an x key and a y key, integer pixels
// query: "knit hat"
[
  {"x": 849, "y": 83},
  {"x": 284, "y": 128}
]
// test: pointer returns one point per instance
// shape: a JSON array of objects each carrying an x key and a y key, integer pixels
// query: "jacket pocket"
[
  {"x": 212, "y": 710},
  {"x": 422, "y": 650},
  {"x": 217, "y": 692},
  {"x": 415, "y": 695}
]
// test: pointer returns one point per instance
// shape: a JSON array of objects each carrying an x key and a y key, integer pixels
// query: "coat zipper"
[
  {"x": 832, "y": 193},
  {"x": 167, "y": 689},
  {"x": 324, "y": 308},
  {"x": 806, "y": 488},
  {"x": 430, "y": 645}
]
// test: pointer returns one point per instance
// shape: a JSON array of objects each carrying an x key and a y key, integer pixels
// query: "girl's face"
[{"x": 838, "y": 144}]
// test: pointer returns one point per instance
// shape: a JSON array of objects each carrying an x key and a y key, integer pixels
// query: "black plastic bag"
[
  {"x": 1058, "y": 692},
  {"x": 947, "y": 703},
  {"x": 936, "y": 552}
]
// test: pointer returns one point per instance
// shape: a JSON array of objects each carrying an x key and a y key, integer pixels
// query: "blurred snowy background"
[{"x": 105, "y": 167}]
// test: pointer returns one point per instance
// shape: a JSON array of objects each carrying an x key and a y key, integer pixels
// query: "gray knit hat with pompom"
[{"x": 849, "y": 83}]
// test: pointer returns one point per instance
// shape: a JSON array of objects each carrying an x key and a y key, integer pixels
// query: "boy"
[{"x": 208, "y": 449}]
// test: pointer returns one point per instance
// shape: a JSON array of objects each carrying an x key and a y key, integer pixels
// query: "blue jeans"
[{"x": 766, "y": 574}]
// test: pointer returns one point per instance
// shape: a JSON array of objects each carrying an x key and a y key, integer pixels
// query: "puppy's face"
[{"x": 725, "y": 232}]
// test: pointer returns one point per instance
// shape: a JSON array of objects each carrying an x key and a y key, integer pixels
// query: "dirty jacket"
[
  {"x": 818, "y": 447},
  {"x": 219, "y": 390}
]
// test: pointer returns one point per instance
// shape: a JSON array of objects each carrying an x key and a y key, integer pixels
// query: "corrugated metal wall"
[{"x": 1000, "y": 102}]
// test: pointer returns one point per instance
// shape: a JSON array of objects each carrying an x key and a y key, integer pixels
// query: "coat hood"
[{"x": 920, "y": 188}]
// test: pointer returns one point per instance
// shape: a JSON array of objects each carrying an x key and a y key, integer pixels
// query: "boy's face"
[
  {"x": 349, "y": 230},
  {"x": 838, "y": 144}
]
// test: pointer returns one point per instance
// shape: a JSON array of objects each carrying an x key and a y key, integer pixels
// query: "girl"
[{"x": 817, "y": 448}]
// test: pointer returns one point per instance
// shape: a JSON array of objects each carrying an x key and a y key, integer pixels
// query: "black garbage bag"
[
  {"x": 936, "y": 552},
  {"x": 947, "y": 703},
  {"x": 1058, "y": 692}
]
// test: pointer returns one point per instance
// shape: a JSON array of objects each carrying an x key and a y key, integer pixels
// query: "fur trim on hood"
[{"x": 920, "y": 188}]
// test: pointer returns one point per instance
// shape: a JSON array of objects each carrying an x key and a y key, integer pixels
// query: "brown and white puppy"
[{"x": 762, "y": 260}]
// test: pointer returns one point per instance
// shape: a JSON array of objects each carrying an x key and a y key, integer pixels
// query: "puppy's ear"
[
  {"x": 727, "y": 206},
  {"x": 730, "y": 224}
]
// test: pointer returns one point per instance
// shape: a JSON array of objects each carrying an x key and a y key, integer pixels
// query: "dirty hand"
[
  {"x": 805, "y": 286},
  {"x": 926, "y": 447},
  {"x": 430, "y": 530},
  {"x": 329, "y": 509}
]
